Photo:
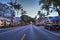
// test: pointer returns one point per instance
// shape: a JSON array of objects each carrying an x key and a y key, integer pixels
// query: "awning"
[{"x": 56, "y": 18}]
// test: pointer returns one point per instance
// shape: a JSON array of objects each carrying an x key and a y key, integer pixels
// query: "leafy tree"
[{"x": 27, "y": 18}]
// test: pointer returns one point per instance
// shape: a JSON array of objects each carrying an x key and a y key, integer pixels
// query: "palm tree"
[
  {"x": 47, "y": 3},
  {"x": 56, "y": 3},
  {"x": 23, "y": 12},
  {"x": 23, "y": 15},
  {"x": 41, "y": 15},
  {"x": 15, "y": 6}
]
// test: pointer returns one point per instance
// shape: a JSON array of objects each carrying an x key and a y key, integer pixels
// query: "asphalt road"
[{"x": 28, "y": 32}]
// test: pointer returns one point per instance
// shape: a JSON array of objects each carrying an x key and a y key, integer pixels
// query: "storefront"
[
  {"x": 4, "y": 21},
  {"x": 56, "y": 20}
]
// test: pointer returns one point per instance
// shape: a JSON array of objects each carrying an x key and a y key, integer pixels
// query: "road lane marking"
[{"x": 23, "y": 37}]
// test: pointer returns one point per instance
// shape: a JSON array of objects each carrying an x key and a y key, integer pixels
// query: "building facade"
[{"x": 6, "y": 15}]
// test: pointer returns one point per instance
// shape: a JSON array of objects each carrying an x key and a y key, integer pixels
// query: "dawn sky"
[{"x": 31, "y": 6}]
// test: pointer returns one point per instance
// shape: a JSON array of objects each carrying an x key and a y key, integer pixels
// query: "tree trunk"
[
  {"x": 58, "y": 11},
  {"x": 59, "y": 14},
  {"x": 12, "y": 20},
  {"x": 17, "y": 13},
  {"x": 48, "y": 12}
]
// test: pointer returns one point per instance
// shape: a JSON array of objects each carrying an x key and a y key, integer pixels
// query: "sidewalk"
[{"x": 56, "y": 33}]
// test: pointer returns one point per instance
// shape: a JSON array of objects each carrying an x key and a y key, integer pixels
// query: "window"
[{"x": 1, "y": 8}]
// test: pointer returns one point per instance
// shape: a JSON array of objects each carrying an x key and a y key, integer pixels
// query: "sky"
[{"x": 31, "y": 6}]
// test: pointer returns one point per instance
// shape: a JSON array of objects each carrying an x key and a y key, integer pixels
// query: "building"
[
  {"x": 4, "y": 21},
  {"x": 6, "y": 15},
  {"x": 18, "y": 20},
  {"x": 56, "y": 20}
]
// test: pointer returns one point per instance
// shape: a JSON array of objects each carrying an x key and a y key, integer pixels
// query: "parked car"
[
  {"x": 55, "y": 27},
  {"x": 37, "y": 24}
]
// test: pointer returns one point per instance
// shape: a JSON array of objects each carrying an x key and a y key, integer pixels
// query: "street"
[{"x": 28, "y": 32}]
